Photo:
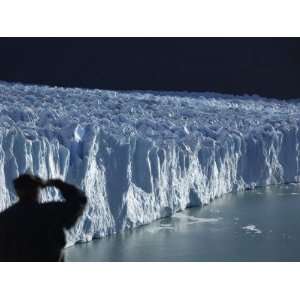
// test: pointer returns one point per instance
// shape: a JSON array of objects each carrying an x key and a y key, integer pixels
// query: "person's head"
[{"x": 27, "y": 187}]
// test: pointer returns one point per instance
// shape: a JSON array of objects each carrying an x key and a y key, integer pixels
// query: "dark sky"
[{"x": 265, "y": 66}]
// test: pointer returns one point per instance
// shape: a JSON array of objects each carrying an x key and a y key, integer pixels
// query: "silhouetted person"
[{"x": 33, "y": 231}]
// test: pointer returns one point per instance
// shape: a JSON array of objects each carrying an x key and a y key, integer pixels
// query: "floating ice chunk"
[
  {"x": 252, "y": 228},
  {"x": 193, "y": 220},
  {"x": 155, "y": 230},
  {"x": 166, "y": 226}
]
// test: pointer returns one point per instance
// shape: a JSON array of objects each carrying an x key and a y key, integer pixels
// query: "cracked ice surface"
[{"x": 141, "y": 156}]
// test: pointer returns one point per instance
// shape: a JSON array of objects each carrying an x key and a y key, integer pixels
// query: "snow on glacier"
[{"x": 141, "y": 156}]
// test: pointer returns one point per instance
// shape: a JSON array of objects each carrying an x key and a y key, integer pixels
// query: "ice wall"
[{"x": 144, "y": 155}]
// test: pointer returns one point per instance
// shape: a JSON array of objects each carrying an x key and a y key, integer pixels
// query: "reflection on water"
[{"x": 259, "y": 225}]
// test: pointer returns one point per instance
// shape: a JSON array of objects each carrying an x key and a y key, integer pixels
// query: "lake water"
[{"x": 258, "y": 225}]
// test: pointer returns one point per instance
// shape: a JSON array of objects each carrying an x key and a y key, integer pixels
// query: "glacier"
[{"x": 141, "y": 156}]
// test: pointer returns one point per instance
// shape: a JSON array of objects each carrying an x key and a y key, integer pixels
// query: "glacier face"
[{"x": 141, "y": 156}]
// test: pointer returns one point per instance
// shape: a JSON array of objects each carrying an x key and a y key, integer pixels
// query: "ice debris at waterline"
[
  {"x": 252, "y": 228},
  {"x": 141, "y": 156}
]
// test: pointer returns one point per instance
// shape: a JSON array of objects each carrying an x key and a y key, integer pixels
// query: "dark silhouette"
[{"x": 33, "y": 231}]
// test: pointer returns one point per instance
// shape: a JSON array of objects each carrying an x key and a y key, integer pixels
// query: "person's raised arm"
[{"x": 74, "y": 204}]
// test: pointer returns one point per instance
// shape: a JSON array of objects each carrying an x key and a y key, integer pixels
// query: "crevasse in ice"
[{"x": 141, "y": 156}]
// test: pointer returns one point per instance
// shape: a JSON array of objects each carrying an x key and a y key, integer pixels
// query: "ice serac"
[{"x": 141, "y": 156}]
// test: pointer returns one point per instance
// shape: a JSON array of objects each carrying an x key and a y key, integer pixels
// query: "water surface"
[{"x": 258, "y": 225}]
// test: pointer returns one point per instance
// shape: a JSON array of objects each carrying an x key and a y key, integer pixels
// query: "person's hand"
[{"x": 56, "y": 182}]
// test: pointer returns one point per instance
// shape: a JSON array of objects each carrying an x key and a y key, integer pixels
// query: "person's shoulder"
[
  {"x": 10, "y": 210},
  {"x": 8, "y": 214}
]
